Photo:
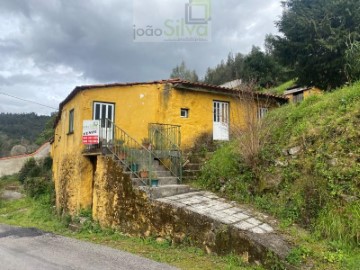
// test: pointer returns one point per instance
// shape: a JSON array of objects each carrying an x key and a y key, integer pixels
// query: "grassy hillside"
[
  {"x": 320, "y": 185},
  {"x": 279, "y": 90},
  {"x": 317, "y": 186}
]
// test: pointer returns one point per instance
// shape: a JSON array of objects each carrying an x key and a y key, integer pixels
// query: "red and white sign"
[{"x": 91, "y": 132}]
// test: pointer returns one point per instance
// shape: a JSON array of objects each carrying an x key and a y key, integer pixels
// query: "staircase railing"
[
  {"x": 165, "y": 140},
  {"x": 133, "y": 155}
]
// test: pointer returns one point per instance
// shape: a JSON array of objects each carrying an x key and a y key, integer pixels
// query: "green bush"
[
  {"x": 36, "y": 186},
  {"x": 47, "y": 164},
  {"x": 30, "y": 169},
  {"x": 37, "y": 178},
  {"x": 226, "y": 172},
  {"x": 223, "y": 166}
]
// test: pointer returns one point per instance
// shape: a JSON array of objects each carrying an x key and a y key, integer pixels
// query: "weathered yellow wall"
[
  {"x": 117, "y": 203},
  {"x": 72, "y": 171},
  {"x": 307, "y": 93},
  {"x": 312, "y": 91},
  {"x": 200, "y": 105},
  {"x": 135, "y": 107}
]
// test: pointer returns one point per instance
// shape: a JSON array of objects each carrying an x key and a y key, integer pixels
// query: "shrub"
[
  {"x": 37, "y": 178},
  {"x": 223, "y": 166},
  {"x": 30, "y": 169},
  {"x": 36, "y": 186},
  {"x": 226, "y": 172},
  {"x": 47, "y": 164},
  {"x": 253, "y": 134}
]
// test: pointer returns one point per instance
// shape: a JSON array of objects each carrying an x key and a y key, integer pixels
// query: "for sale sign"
[{"x": 91, "y": 131}]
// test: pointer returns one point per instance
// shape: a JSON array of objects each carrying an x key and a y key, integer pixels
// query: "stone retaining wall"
[{"x": 117, "y": 204}]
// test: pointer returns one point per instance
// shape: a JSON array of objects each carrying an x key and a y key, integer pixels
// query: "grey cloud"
[{"x": 95, "y": 39}]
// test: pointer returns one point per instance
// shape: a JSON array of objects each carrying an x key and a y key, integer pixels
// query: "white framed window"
[
  {"x": 104, "y": 111},
  {"x": 71, "y": 121},
  {"x": 184, "y": 113},
  {"x": 262, "y": 111}
]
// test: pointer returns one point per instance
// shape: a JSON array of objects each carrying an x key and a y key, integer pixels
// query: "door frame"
[
  {"x": 227, "y": 136},
  {"x": 110, "y": 132}
]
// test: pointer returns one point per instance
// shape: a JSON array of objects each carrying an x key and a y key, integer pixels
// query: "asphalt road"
[{"x": 28, "y": 249}]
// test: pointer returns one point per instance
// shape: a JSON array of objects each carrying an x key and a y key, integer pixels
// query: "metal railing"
[
  {"x": 164, "y": 136},
  {"x": 137, "y": 159},
  {"x": 164, "y": 145},
  {"x": 165, "y": 141}
]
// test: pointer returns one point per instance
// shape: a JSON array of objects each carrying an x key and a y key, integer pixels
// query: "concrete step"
[
  {"x": 156, "y": 168},
  {"x": 140, "y": 182},
  {"x": 157, "y": 173},
  {"x": 166, "y": 191},
  {"x": 187, "y": 179},
  {"x": 193, "y": 166},
  {"x": 190, "y": 173},
  {"x": 163, "y": 181},
  {"x": 162, "y": 173}
]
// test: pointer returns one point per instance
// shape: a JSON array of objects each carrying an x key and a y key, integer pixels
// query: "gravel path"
[{"x": 28, "y": 249}]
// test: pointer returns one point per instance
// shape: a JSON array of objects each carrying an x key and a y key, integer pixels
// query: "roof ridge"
[{"x": 170, "y": 80}]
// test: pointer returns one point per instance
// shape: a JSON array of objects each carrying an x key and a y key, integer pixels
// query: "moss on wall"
[
  {"x": 118, "y": 205},
  {"x": 74, "y": 187}
]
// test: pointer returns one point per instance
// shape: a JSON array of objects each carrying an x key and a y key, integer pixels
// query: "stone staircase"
[
  {"x": 193, "y": 164},
  {"x": 167, "y": 184},
  {"x": 160, "y": 155}
]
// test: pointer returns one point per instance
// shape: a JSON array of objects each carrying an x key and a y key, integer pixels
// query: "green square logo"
[{"x": 198, "y": 12}]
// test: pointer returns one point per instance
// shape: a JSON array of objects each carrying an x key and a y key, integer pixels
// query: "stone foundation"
[{"x": 118, "y": 205}]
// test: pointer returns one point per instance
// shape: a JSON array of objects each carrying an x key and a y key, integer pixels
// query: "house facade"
[
  {"x": 170, "y": 115},
  {"x": 298, "y": 94}
]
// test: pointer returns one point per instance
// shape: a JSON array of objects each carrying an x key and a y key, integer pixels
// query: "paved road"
[{"x": 29, "y": 249}]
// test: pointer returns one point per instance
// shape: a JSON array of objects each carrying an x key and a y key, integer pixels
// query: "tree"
[
  {"x": 318, "y": 41},
  {"x": 261, "y": 68},
  {"x": 20, "y": 129},
  {"x": 257, "y": 67},
  {"x": 48, "y": 131},
  {"x": 182, "y": 72},
  {"x": 227, "y": 71}
]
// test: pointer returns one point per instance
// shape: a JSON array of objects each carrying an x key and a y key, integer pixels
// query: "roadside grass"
[{"x": 39, "y": 213}]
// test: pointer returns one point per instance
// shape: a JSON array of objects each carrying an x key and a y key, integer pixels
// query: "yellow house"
[
  {"x": 137, "y": 123},
  {"x": 299, "y": 94}
]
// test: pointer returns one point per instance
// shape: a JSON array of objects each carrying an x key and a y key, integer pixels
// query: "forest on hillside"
[
  {"x": 318, "y": 45},
  {"x": 27, "y": 131}
]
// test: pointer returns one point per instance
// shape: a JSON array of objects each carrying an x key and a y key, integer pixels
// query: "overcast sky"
[{"x": 47, "y": 47}]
